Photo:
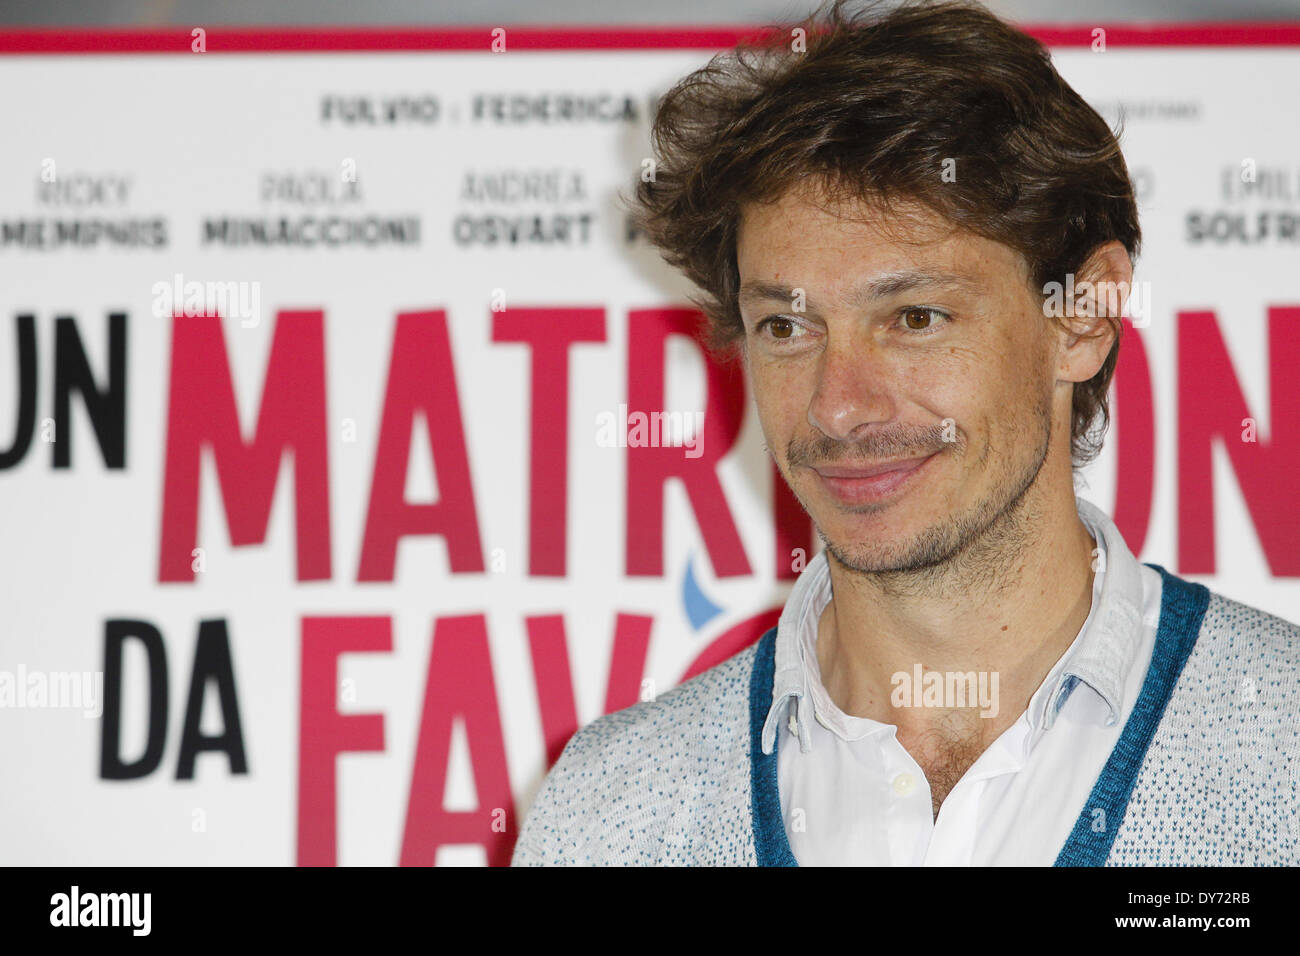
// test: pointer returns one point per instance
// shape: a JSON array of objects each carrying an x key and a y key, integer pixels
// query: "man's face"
[{"x": 917, "y": 346}]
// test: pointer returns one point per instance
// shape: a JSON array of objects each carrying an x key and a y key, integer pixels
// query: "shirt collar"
[
  {"x": 1107, "y": 645},
  {"x": 1099, "y": 659},
  {"x": 790, "y": 679}
]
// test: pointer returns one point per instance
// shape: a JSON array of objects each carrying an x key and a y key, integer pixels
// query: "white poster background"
[{"x": 194, "y": 135}]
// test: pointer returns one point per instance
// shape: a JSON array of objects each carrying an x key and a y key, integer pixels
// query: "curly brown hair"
[{"x": 871, "y": 105}]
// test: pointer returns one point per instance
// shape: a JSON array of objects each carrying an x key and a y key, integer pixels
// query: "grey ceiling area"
[{"x": 145, "y": 13}]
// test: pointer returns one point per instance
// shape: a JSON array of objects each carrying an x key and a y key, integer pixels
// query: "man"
[{"x": 976, "y": 669}]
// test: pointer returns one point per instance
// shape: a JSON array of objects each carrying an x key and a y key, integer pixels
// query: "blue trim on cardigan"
[
  {"x": 1182, "y": 608},
  {"x": 770, "y": 843}
]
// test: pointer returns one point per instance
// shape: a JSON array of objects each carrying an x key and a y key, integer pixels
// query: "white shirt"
[{"x": 852, "y": 795}]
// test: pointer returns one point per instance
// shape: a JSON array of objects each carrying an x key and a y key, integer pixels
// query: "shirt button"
[{"x": 904, "y": 784}]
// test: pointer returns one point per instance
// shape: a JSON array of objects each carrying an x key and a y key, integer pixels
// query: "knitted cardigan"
[{"x": 1206, "y": 770}]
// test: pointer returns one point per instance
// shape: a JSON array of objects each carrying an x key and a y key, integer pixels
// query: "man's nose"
[{"x": 854, "y": 389}]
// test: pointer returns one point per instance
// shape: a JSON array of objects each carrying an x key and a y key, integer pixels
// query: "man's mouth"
[{"x": 868, "y": 482}]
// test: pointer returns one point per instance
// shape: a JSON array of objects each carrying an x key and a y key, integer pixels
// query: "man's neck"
[{"x": 1007, "y": 616}]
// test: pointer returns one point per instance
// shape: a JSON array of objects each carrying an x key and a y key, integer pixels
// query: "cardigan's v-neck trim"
[{"x": 1182, "y": 608}]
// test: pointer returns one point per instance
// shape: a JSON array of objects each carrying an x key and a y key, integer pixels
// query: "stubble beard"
[{"x": 977, "y": 548}]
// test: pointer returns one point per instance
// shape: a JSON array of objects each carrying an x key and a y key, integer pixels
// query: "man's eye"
[
  {"x": 920, "y": 319},
  {"x": 779, "y": 327}
]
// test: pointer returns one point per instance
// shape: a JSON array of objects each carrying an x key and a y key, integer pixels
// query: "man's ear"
[{"x": 1101, "y": 289}]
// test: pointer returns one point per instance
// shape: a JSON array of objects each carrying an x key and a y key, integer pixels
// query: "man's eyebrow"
[
  {"x": 881, "y": 287},
  {"x": 895, "y": 282}
]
